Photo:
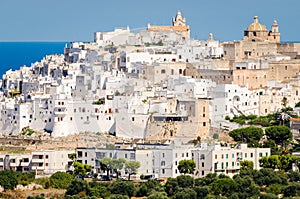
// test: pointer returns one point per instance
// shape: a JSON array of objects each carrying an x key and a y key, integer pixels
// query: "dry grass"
[{"x": 48, "y": 193}]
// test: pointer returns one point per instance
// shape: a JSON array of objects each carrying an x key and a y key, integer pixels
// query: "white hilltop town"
[{"x": 158, "y": 88}]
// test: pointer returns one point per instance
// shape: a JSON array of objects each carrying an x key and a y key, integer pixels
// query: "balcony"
[
  {"x": 37, "y": 160},
  {"x": 39, "y": 166},
  {"x": 25, "y": 164}
]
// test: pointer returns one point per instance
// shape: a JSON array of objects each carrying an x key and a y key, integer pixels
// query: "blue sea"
[{"x": 16, "y": 54}]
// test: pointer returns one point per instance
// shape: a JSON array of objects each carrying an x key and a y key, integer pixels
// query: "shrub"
[{"x": 61, "y": 180}]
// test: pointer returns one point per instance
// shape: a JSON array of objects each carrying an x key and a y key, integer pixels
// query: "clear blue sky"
[{"x": 77, "y": 20}]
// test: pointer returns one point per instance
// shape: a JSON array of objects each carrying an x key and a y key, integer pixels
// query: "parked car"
[
  {"x": 123, "y": 178},
  {"x": 104, "y": 177}
]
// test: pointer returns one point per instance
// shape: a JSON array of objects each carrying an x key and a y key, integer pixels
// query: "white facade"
[
  {"x": 225, "y": 160},
  {"x": 42, "y": 162},
  {"x": 162, "y": 160}
]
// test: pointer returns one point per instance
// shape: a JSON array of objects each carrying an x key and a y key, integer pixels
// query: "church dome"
[{"x": 255, "y": 26}]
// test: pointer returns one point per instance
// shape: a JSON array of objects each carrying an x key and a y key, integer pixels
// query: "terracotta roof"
[
  {"x": 295, "y": 119},
  {"x": 169, "y": 28}
]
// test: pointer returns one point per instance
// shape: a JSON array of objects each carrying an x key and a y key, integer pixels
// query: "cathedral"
[
  {"x": 179, "y": 27},
  {"x": 258, "y": 32}
]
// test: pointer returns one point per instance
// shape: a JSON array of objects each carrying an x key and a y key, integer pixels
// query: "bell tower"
[
  {"x": 179, "y": 21},
  {"x": 274, "y": 33}
]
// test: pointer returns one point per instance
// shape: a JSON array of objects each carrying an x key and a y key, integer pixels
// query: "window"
[
  {"x": 132, "y": 119},
  {"x": 232, "y": 155},
  {"x": 85, "y": 154},
  {"x": 187, "y": 154},
  {"x": 202, "y": 164},
  {"x": 47, "y": 156},
  {"x": 46, "y": 164},
  {"x": 163, "y": 163},
  {"x": 245, "y": 155},
  {"x": 163, "y": 71},
  {"x": 222, "y": 156},
  {"x": 202, "y": 172},
  {"x": 163, "y": 155},
  {"x": 132, "y": 156},
  {"x": 176, "y": 163},
  {"x": 260, "y": 154},
  {"x": 216, "y": 156},
  {"x": 226, "y": 156},
  {"x": 204, "y": 123},
  {"x": 110, "y": 155},
  {"x": 163, "y": 171},
  {"x": 202, "y": 157},
  {"x": 232, "y": 164},
  {"x": 251, "y": 155},
  {"x": 125, "y": 155}
]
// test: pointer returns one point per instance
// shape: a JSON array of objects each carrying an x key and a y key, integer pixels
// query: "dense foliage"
[
  {"x": 61, "y": 180},
  {"x": 250, "y": 135},
  {"x": 8, "y": 179},
  {"x": 249, "y": 183},
  {"x": 186, "y": 166}
]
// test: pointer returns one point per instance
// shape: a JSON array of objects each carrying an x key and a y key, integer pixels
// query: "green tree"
[
  {"x": 25, "y": 178},
  {"x": 72, "y": 156},
  {"x": 8, "y": 179},
  {"x": 117, "y": 164},
  {"x": 171, "y": 186},
  {"x": 250, "y": 135},
  {"x": 296, "y": 145},
  {"x": 158, "y": 195},
  {"x": 105, "y": 165},
  {"x": 186, "y": 166},
  {"x": 268, "y": 196},
  {"x": 292, "y": 190},
  {"x": 118, "y": 196},
  {"x": 270, "y": 162},
  {"x": 186, "y": 193},
  {"x": 272, "y": 145},
  {"x": 123, "y": 188},
  {"x": 131, "y": 167},
  {"x": 207, "y": 180},
  {"x": 246, "y": 164},
  {"x": 202, "y": 192},
  {"x": 61, "y": 180},
  {"x": 146, "y": 188},
  {"x": 282, "y": 135},
  {"x": 294, "y": 176},
  {"x": 77, "y": 186},
  {"x": 287, "y": 161},
  {"x": 267, "y": 176},
  {"x": 98, "y": 190},
  {"x": 275, "y": 188},
  {"x": 185, "y": 181},
  {"x": 223, "y": 187},
  {"x": 246, "y": 188},
  {"x": 81, "y": 169}
]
